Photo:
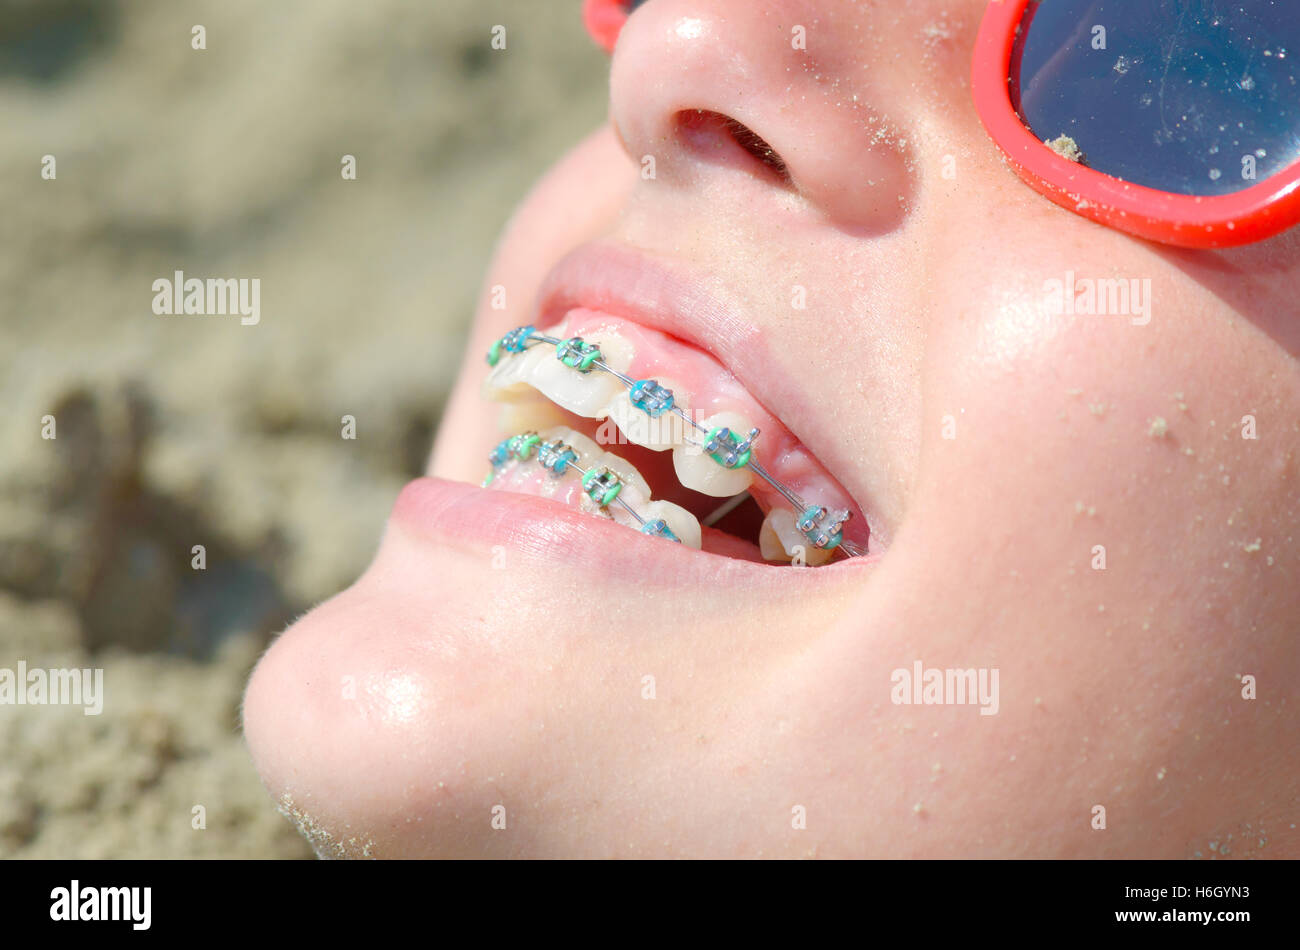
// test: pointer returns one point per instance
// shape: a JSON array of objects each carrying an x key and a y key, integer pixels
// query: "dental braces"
[
  {"x": 820, "y": 526},
  {"x": 601, "y": 485}
]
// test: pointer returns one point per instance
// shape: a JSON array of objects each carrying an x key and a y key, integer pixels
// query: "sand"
[
  {"x": 1066, "y": 147},
  {"x": 177, "y": 431}
]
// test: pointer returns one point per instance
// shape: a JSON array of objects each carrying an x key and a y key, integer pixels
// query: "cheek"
[{"x": 1067, "y": 431}]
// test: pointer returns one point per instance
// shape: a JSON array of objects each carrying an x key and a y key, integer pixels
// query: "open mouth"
[{"x": 630, "y": 424}]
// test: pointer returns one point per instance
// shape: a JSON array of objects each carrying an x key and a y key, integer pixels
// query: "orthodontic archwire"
[
  {"x": 820, "y": 526},
  {"x": 601, "y": 485}
]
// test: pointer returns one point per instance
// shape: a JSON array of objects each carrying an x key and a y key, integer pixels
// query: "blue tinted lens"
[{"x": 1197, "y": 97}]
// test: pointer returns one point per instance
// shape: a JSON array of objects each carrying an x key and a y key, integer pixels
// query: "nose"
[{"x": 713, "y": 89}]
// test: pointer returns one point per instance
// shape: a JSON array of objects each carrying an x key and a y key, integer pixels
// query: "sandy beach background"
[{"x": 176, "y": 431}]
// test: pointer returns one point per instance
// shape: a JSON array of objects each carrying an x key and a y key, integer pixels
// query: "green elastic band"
[
  {"x": 717, "y": 456},
  {"x": 524, "y": 447},
  {"x": 610, "y": 493}
]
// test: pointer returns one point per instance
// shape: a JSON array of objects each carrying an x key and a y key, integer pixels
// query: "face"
[{"x": 1095, "y": 512}]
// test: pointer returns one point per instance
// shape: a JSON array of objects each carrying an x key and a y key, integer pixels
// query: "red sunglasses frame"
[
  {"x": 603, "y": 20},
  {"x": 1252, "y": 214}
]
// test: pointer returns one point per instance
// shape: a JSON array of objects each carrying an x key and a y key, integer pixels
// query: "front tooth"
[
  {"x": 680, "y": 521},
  {"x": 780, "y": 540},
  {"x": 589, "y": 452},
  {"x": 513, "y": 371},
  {"x": 632, "y": 479},
  {"x": 697, "y": 469},
  {"x": 592, "y": 456},
  {"x": 659, "y": 433},
  {"x": 585, "y": 394},
  {"x": 530, "y": 412}
]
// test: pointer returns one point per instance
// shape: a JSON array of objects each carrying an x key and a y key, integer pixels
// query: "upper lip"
[{"x": 629, "y": 283}]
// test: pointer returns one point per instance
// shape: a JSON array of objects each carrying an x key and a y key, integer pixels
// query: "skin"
[{"x": 1118, "y": 687}]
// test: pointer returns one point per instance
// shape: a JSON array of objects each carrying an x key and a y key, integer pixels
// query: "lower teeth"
[
  {"x": 607, "y": 484},
  {"x": 723, "y": 466},
  {"x": 603, "y": 483}
]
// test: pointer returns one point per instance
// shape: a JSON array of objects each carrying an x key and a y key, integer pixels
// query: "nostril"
[{"x": 719, "y": 136}]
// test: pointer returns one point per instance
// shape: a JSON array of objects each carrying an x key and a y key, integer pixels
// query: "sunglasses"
[
  {"x": 1177, "y": 121},
  {"x": 1172, "y": 120}
]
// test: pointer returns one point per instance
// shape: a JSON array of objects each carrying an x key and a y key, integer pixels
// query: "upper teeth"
[
  {"x": 659, "y": 433},
  {"x": 531, "y": 411},
  {"x": 698, "y": 469},
  {"x": 585, "y": 394},
  {"x": 513, "y": 374},
  {"x": 597, "y": 395},
  {"x": 587, "y": 376}
]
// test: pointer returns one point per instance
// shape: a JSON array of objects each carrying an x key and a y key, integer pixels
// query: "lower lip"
[{"x": 473, "y": 520}]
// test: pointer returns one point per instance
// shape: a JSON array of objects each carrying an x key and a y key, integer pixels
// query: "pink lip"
[
  {"x": 472, "y": 521},
  {"x": 627, "y": 283}
]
